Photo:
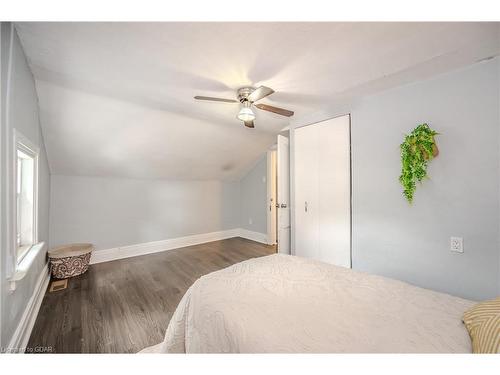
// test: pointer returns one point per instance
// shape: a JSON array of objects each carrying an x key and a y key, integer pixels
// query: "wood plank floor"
[{"x": 125, "y": 305}]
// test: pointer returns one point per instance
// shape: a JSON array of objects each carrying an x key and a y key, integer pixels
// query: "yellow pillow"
[{"x": 483, "y": 323}]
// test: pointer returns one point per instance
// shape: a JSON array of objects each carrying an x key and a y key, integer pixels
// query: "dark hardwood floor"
[{"x": 125, "y": 305}]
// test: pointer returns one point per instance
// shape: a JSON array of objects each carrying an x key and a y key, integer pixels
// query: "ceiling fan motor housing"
[{"x": 243, "y": 94}]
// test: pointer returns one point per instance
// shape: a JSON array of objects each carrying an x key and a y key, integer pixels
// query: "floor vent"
[{"x": 58, "y": 285}]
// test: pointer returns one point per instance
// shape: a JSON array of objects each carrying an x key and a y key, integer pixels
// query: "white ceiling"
[{"x": 116, "y": 99}]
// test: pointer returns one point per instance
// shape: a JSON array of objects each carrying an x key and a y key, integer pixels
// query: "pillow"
[{"x": 483, "y": 323}]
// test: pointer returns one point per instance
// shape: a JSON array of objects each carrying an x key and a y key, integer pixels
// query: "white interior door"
[
  {"x": 283, "y": 196},
  {"x": 322, "y": 197},
  {"x": 306, "y": 192},
  {"x": 271, "y": 197},
  {"x": 334, "y": 191}
]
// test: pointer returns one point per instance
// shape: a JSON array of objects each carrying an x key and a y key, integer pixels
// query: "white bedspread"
[{"x": 283, "y": 303}]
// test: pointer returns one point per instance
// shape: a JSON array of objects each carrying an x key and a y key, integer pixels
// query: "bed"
[{"x": 286, "y": 304}]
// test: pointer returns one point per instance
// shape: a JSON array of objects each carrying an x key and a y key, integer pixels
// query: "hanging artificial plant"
[{"x": 418, "y": 148}]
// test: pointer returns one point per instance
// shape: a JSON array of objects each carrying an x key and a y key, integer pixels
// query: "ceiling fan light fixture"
[{"x": 246, "y": 114}]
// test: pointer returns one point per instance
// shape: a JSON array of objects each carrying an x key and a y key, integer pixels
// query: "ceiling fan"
[{"x": 247, "y": 96}]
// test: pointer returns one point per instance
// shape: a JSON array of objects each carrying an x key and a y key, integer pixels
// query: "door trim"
[{"x": 350, "y": 183}]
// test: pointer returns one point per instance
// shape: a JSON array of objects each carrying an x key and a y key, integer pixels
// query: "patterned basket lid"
[{"x": 71, "y": 250}]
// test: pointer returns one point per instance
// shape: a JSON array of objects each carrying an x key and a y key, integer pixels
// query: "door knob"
[{"x": 282, "y": 205}]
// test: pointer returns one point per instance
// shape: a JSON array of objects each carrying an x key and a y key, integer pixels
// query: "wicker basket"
[{"x": 70, "y": 260}]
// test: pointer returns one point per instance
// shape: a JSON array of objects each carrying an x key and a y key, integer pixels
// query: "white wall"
[
  {"x": 113, "y": 212},
  {"x": 19, "y": 108},
  {"x": 253, "y": 191},
  {"x": 461, "y": 198}
]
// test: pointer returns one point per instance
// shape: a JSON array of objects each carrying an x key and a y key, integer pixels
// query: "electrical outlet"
[
  {"x": 250, "y": 221},
  {"x": 457, "y": 244}
]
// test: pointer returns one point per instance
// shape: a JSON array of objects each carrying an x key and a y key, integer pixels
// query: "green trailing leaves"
[{"x": 417, "y": 150}]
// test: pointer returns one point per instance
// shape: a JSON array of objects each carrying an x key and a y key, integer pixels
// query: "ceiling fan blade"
[
  {"x": 249, "y": 124},
  {"x": 215, "y": 99},
  {"x": 279, "y": 111},
  {"x": 259, "y": 93}
]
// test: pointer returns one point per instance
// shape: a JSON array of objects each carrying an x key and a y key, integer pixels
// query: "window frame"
[{"x": 24, "y": 145}]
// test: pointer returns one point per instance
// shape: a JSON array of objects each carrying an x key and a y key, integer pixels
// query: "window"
[{"x": 26, "y": 198}]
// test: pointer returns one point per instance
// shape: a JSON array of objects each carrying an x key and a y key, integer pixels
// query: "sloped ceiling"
[{"x": 116, "y": 99}]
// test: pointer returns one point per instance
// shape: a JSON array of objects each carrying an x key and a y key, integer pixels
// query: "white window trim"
[{"x": 22, "y": 266}]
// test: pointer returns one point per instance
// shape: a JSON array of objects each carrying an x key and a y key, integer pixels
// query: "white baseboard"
[
  {"x": 22, "y": 334},
  {"x": 100, "y": 256},
  {"x": 107, "y": 255},
  {"x": 254, "y": 236}
]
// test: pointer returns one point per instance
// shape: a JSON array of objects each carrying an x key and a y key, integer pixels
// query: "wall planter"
[{"x": 418, "y": 148}]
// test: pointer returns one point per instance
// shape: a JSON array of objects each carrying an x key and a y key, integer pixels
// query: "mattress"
[{"x": 286, "y": 304}]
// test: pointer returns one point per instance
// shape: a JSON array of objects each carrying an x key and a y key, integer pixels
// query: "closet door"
[
  {"x": 322, "y": 194},
  {"x": 306, "y": 159},
  {"x": 334, "y": 209}
]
